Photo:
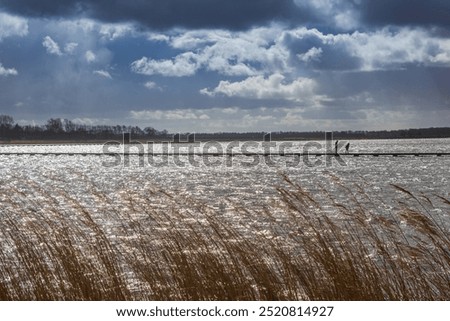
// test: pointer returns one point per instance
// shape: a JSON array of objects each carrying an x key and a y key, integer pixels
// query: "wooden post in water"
[
  {"x": 126, "y": 138},
  {"x": 329, "y": 142}
]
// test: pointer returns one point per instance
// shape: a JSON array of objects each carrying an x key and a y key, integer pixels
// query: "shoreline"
[{"x": 160, "y": 140}]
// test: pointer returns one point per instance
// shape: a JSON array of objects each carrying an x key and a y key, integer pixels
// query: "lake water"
[
  {"x": 219, "y": 181},
  {"x": 118, "y": 193}
]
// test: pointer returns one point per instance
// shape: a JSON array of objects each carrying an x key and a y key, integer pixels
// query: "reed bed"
[{"x": 326, "y": 244}]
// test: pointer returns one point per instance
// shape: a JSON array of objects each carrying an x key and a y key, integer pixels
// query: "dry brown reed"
[{"x": 153, "y": 245}]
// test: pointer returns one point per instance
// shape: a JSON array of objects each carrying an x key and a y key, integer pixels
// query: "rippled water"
[
  {"x": 118, "y": 193},
  {"x": 248, "y": 181},
  {"x": 393, "y": 145}
]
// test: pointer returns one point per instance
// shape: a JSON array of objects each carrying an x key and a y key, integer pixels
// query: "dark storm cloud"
[
  {"x": 405, "y": 12},
  {"x": 232, "y": 14}
]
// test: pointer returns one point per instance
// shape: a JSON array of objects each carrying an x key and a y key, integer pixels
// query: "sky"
[{"x": 227, "y": 66}]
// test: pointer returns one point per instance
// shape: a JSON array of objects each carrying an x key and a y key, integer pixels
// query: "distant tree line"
[
  {"x": 442, "y": 132},
  {"x": 64, "y": 129}
]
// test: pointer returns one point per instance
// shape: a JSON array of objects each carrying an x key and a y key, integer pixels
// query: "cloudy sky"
[{"x": 235, "y": 65}]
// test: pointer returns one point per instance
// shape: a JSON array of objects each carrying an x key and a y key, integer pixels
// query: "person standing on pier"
[
  {"x": 347, "y": 147},
  {"x": 336, "y": 147}
]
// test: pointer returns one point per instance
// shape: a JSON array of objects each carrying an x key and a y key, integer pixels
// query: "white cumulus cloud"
[
  {"x": 51, "y": 46},
  {"x": 152, "y": 85},
  {"x": 185, "y": 64},
  {"x": 7, "y": 71},
  {"x": 103, "y": 73},
  {"x": 279, "y": 50},
  {"x": 90, "y": 56},
  {"x": 114, "y": 31},
  {"x": 12, "y": 26},
  {"x": 70, "y": 47},
  {"x": 382, "y": 49},
  {"x": 228, "y": 53},
  {"x": 272, "y": 87},
  {"x": 312, "y": 54},
  {"x": 385, "y": 48}
]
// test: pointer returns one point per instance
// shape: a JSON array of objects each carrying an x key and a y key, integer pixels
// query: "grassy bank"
[{"x": 155, "y": 245}]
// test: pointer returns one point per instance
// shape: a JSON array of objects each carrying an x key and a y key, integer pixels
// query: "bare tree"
[
  {"x": 6, "y": 121},
  {"x": 55, "y": 125}
]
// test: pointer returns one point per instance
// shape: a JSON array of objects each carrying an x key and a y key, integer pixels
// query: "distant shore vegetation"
[{"x": 58, "y": 129}]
